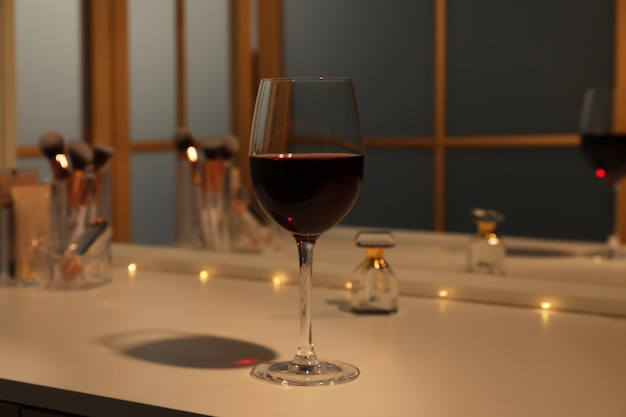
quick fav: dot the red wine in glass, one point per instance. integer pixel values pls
(306, 194)
(607, 154)
(603, 141)
(306, 167)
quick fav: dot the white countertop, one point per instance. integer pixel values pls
(166, 338)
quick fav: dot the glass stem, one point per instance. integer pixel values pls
(305, 360)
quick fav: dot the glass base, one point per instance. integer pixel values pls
(289, 374)
(613, 251)
(608, 254)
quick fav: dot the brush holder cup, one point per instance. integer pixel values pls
(77, 252)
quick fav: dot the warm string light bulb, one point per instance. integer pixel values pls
(278, 279)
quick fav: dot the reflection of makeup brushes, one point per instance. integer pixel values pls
(101, 155)
(186, 230)
(51, 145)
(230, 146)
(212, 149)
(192, 157)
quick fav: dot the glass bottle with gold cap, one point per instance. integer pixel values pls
(486, 252)
(374, 285)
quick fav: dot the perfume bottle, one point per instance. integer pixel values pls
(374, 285)
(486, 252)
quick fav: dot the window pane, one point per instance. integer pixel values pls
(520, 67)
(153, 203)
(152, 69)
(547, 193)
(48, 71)
(384, 46)
(208, 67)
(397, 190)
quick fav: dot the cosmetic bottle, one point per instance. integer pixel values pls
(374, 285)
(11, 178)
(486, 251)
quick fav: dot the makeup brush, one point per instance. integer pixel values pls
(101, 156)
(225, 190)
(94, 236)
(183, 138)
(80, 155)
(192, 157)
(51, 145)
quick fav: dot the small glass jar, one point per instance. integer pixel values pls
(374, 285)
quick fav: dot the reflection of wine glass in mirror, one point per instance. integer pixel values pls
(603, 129)
(306, 166)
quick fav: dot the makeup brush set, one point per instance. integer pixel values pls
(212, 205)
(79, 234)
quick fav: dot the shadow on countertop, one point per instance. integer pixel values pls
(174, 348)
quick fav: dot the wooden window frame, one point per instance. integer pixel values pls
(7, 85)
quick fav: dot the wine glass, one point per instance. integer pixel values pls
(603, 128)
(306, 166)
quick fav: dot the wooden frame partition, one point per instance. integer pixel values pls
(620, 81)
(107, 92)
(7, 84)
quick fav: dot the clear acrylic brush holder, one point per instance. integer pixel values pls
(77, 253)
